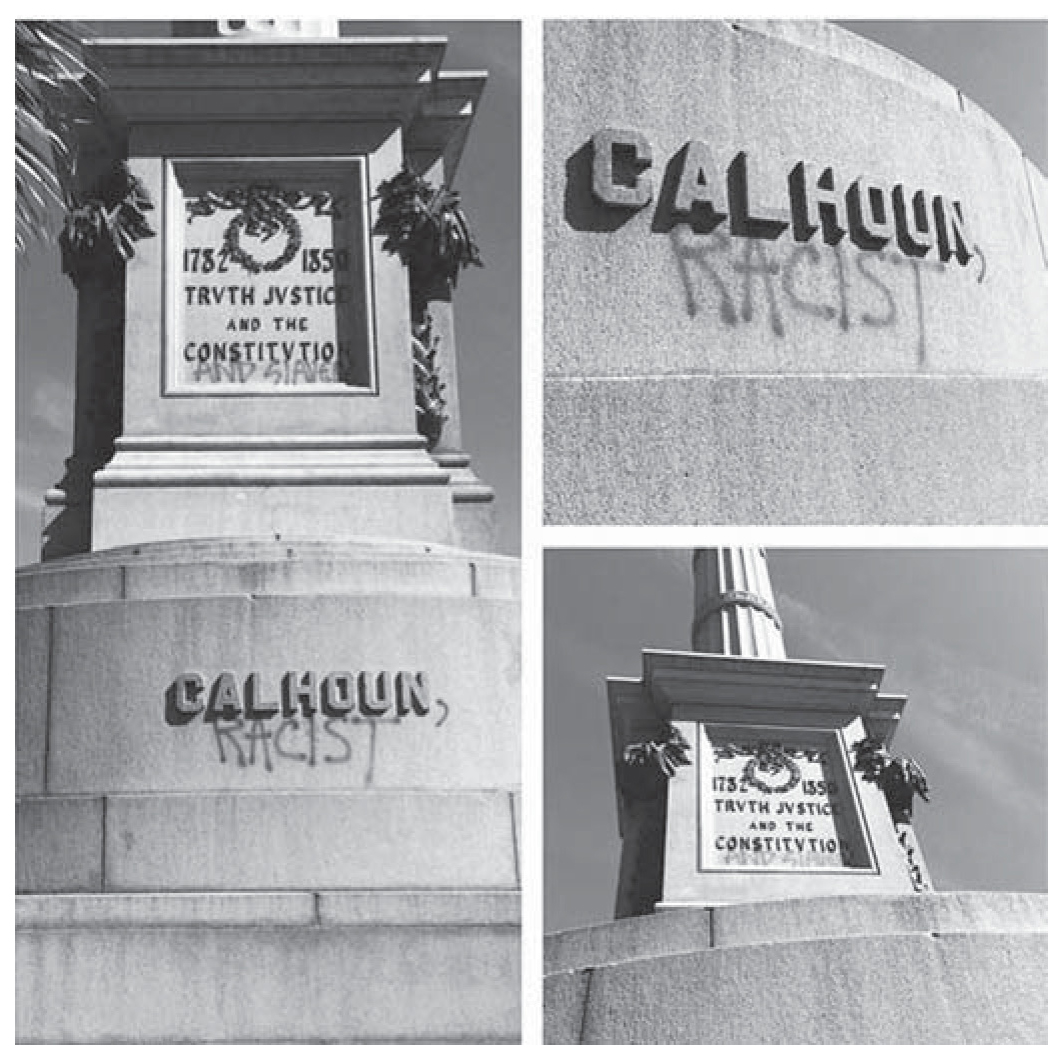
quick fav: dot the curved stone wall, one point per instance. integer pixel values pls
(315, 967)
(789, 277)
(933, 968)
(344, 856)
(158, 748)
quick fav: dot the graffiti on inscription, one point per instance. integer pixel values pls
(842, 286)
(310, 740)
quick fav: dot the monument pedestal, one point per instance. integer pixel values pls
(771, 889)
(341, 835)
(959, 968)
(165, 489)
(252, 362)
(771, 805)
(472, 498)
(268, 729)
(431, 966)
(714, 355)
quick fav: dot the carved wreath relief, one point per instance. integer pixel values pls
(272, 294)
(772, 805)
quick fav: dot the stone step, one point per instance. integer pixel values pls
(329, 967)
(971, 972)
(226, 567)
(263, 909)
(268, 841)
(680, 931)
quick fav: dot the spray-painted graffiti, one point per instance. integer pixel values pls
(744, 281)
(783, 246)
(310, 741)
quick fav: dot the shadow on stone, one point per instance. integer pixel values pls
(582, 211)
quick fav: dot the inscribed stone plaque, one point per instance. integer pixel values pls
(269, 275)
(777, 800)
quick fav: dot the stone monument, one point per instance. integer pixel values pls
(773, 807)
(272, 329)
(771, 888)
(268, 674)
(789, 277)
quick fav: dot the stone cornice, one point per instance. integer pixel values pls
(373, 79)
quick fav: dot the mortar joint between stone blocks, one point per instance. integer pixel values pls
(1026, 163)
(586, 974)
(50, 679)
(514, 835)
(104, 875)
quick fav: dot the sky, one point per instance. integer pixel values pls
(487, 300)
(1001, 64)
(961, 632)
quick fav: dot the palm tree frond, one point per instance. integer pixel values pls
(54, 82)
(51, 51)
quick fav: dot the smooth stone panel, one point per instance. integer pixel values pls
(115, 663)
(420, 907)
(474, 525)
(475, 652)
(124, 515)
(58, 844)
(166, 908)
(319, 840)
(329, 984)
(760, 450)
(32, 656)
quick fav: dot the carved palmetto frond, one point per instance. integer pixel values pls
(900, 777)
(667, 752)
(425, 226)
(53, 83)
(100, 230)
(428, 386)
